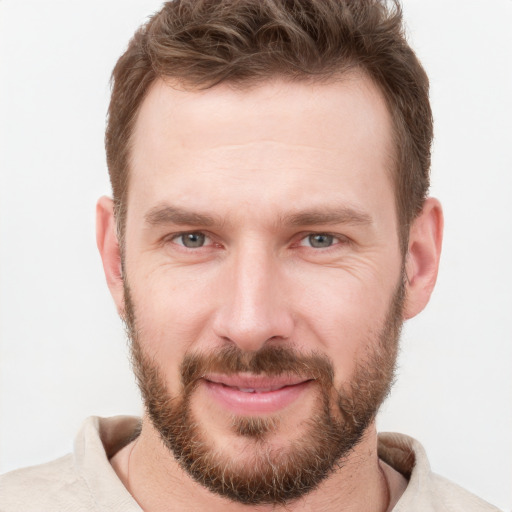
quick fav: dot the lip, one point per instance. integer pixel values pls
(254, 394)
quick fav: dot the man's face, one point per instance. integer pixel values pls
(263, 277)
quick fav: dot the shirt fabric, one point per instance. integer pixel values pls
(85, 480)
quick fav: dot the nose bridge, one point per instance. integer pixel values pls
(253, 309)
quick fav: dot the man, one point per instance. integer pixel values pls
(270, 231)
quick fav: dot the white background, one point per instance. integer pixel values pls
(63, 350)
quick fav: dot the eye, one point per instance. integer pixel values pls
(319, 240)
(192, 240)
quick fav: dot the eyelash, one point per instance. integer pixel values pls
(177, 236)
(337, 240)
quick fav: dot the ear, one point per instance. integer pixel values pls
(108, 245)
(422, 261)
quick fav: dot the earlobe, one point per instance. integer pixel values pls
(422, 261)
(108, 245)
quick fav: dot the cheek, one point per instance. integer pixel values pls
(172, 313)
(343, 315)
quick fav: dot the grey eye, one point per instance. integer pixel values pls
(320, 240)
(192, 240)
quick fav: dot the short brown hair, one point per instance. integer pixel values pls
(202, 43)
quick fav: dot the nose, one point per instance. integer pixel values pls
(254, 306)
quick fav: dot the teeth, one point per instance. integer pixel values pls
(252, 390)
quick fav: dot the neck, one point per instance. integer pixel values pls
(156, 481)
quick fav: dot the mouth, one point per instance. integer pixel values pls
(254, 394)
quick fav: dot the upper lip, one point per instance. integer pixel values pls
(256, 382)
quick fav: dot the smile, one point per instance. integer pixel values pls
(248, 395)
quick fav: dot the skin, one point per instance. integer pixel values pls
(269, 165)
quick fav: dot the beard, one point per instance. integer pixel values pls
(270, 475)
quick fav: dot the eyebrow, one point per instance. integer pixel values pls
(342, 215)
(163, 215)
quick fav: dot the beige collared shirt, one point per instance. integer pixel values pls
(85, 481)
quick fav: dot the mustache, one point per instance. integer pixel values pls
(269, 360)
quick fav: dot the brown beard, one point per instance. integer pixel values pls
(270, 476)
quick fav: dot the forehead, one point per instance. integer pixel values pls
(301, 137)
(321, 109)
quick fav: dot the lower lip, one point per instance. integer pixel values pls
(243, 403)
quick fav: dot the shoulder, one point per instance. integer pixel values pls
(426, 491)
(51, 486)
(79, 482)
(446, 495)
